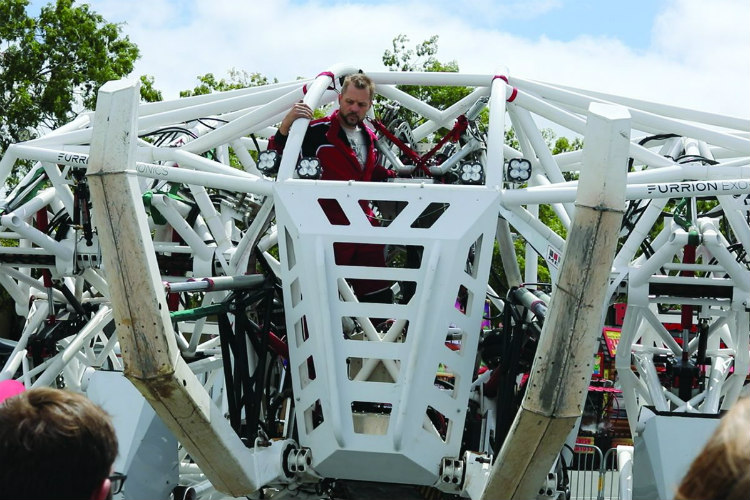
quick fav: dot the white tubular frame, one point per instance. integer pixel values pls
(226, 217)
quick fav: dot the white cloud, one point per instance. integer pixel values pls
(698, 58)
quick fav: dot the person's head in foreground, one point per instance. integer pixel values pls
(54, 444)
(721, 471)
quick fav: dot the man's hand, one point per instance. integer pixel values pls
(299, 110)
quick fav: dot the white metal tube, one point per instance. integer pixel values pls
(59, 249)
(81, 136)
(169, 247)
(531, 272)
(238, 182)
(12, 365)
(93, 326)
(448, 115)
(543, 108)
(185, 158)
(252, 235)
(211, 217)
(719, 370)
(166, 208)
(297, 131)
(217, 107)
(717, 245)
(372, 335)
(677, 240)
(17, 293)
(412, 103)
(8, 160)
(49, 155)
(518, 214)
(647, 369)
(557, 194)
(525, 130)
(663, 334)
(641, 117)
(242, 125)
(508, 253)
(496, 134)
(247, 161)
(625, 466)
(150, 108)
(639, 232)
(676, 112)
(430, 78)
(689, 406)
(540, 147)
(31, 207)
(63, 192)
(97, 281)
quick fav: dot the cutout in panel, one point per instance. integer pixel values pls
(436, 423)
(388, 330)
(333, 212)
(406, 257)
(306, 372)
(367, 370)
(463, 299)
(296, 292)
(358, 254)
(291, 258)
(313, 416)
(446, 379)
(407, 290)
(472, 259)
(370, 417)
(388, 210)
(383, 295)
(430, 215)
(301, 332)
(454, 339)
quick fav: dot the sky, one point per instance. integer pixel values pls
(688, 53)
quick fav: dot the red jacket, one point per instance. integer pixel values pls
(326, 140)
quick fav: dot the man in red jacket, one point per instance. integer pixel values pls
(345, 147)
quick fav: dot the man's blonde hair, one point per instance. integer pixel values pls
(360, 81)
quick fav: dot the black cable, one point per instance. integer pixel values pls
(645, 140)
(689, 158)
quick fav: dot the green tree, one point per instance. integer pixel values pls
(238, 79)
(149, 93)
(423, 58)
(52, 66)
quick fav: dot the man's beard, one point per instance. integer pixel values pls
(352, 119)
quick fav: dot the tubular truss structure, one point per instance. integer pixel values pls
(255, 324)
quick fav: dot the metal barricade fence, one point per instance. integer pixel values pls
(593, 474)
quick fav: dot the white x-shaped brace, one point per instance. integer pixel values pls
(374, 336)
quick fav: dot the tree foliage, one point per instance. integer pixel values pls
(52, 66)
(238, 79)
(423, 58)
(149, 92)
